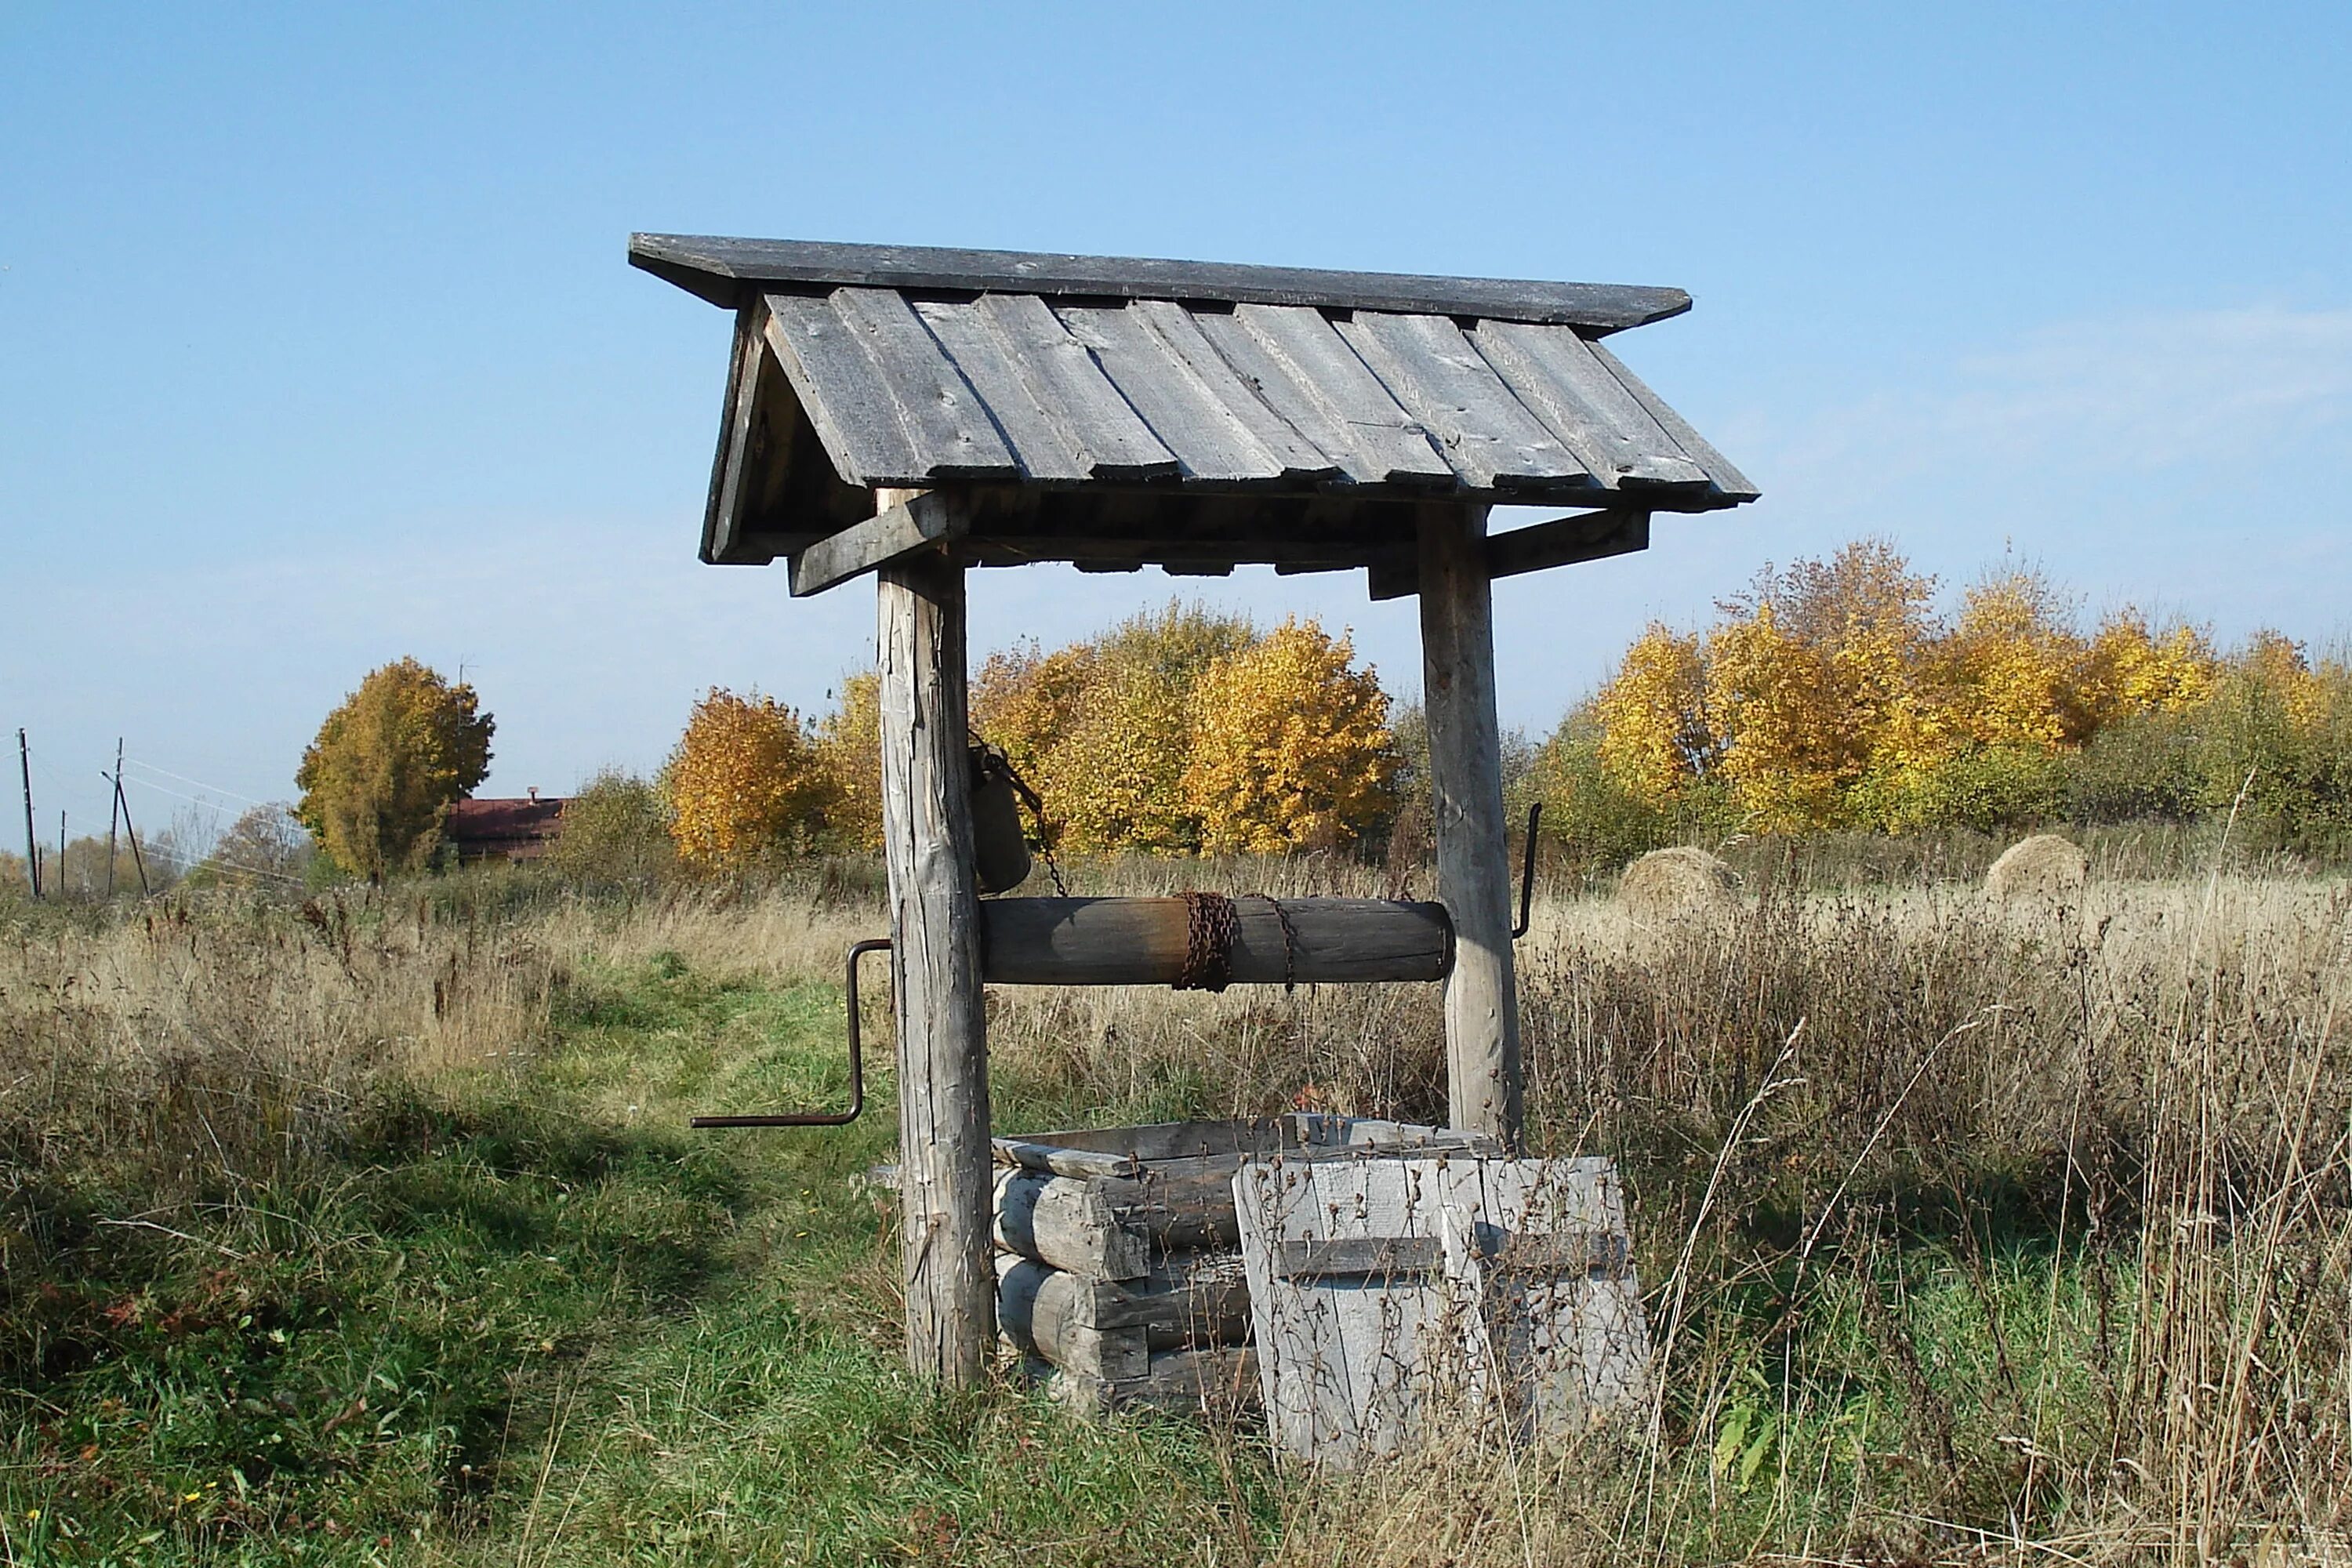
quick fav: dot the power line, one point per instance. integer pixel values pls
(199, 784)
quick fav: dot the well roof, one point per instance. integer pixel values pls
(1120, 412)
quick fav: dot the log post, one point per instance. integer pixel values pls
(1465, 774)
(944, 1155)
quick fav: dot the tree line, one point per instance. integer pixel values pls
(1832, 694)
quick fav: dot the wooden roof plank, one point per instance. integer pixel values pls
(1063, 377)
(1302, 459)
(1734, 484)
(1040, 441)
(937, 407)
(845, 399)
(723, 515)
(1189, 420)
(1554, 373)
(1307, 372)
(1493, 442)
(723, 269)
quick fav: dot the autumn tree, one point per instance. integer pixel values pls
(1655, 731)
(1291, 748)
(386, 766)
(849, 751)
(2130, 668)
(1109, 730)
(745, 783)
(266, 844)
(1809, 672)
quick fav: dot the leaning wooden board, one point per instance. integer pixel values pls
(1392, 1298)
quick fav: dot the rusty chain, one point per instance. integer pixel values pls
(1210, 927)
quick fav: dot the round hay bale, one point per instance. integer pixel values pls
(2043, 869)
(1665, 883)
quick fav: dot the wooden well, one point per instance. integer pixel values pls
(910, 413)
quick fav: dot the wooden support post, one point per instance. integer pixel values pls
(1466, 772)
(944, 1156)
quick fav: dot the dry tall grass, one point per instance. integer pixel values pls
(1963, 1237)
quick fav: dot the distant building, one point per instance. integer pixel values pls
(502, 829)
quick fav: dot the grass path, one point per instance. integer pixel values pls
(532, 1320)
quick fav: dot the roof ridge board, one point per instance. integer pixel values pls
(719, 269)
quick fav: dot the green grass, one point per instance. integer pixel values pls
(531, 1316)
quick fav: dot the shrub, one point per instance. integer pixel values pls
(615, 832)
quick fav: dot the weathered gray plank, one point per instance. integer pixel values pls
(1482, 430)
(1343, 1360)
(937, 407)
(1465, 777)
(1061, 1161)
(722, 516)
(838, 385)
(1310, 373)
(1561, 1300)
(988, 547)
(1553, 372)
(1064, 378)
(1209, 441)
(942, 1029)
(1144, 940)
(1357, 1255)
(1519, 1306)
(1040, 438)
(915, 523)
(1303, 462)
(719, 268)
(1728, 479)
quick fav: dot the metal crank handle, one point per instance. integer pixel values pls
(857, 1065)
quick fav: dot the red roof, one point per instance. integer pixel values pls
(508, 827)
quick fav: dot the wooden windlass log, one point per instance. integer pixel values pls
(1192, 944)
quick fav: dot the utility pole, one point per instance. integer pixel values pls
(131, 828)
(61, 854)
(32, 850)
(114, 816)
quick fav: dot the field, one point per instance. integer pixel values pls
(368, 1229)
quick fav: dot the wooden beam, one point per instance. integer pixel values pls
(1466, 772)
(1562, 541)
(1565, 541)
(1143, 942)
(722, 270)
(926, 518)
(944, 1155)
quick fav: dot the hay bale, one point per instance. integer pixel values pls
(1666, 883)
(2044, 869)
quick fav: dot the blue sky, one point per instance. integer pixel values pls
(318, 346)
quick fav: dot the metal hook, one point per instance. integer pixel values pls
(856, 1066)
(1527, 874)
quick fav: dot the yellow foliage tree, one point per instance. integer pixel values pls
(2128, 669)
(386, 764)
(849, 750)
(1024, 702)
(1112, 723)
(744, 782)
(2015, 666)
(1291, 748)
(1810, 672)
(1655, 731)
